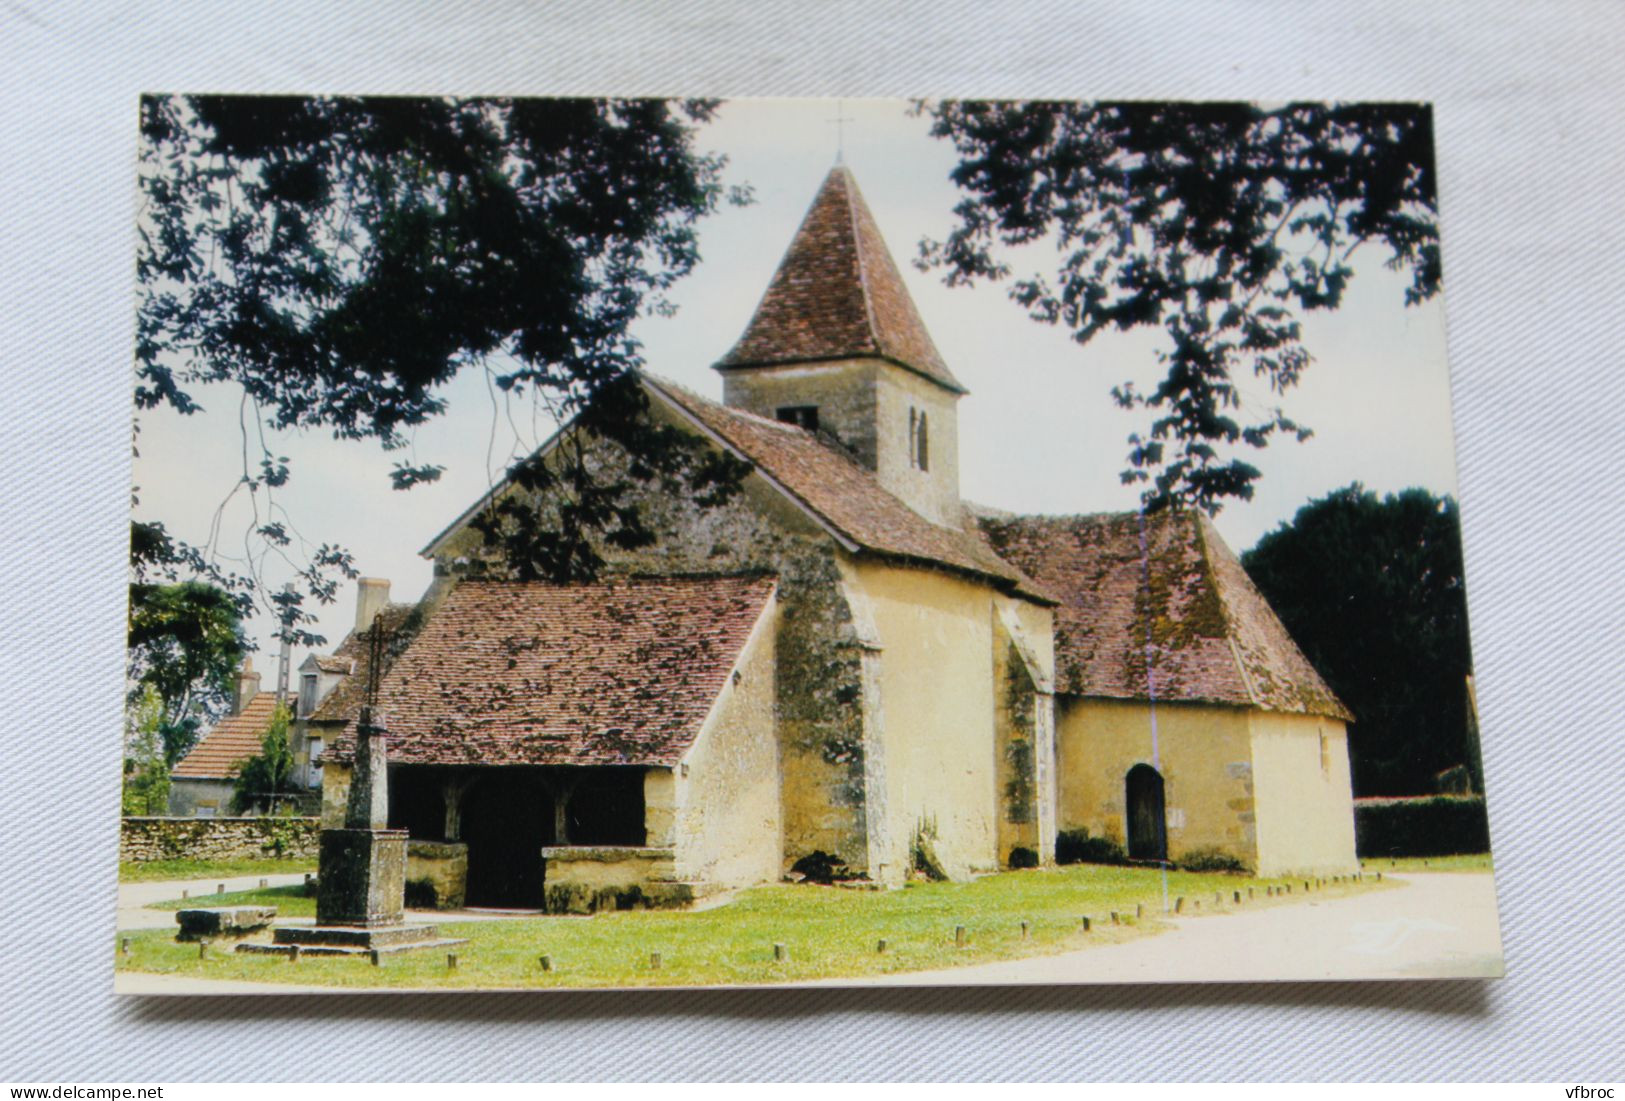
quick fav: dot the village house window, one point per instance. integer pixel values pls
(922, 446)
(1325, 754)
(313, 776)
(307, 695)
(804, 416)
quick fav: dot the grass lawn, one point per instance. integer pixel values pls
(145, 871)
(1465, 862)
(827, 932)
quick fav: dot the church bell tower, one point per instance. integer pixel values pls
(836, 346)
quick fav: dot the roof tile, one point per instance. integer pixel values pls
(229, 742)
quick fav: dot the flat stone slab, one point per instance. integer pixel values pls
(223, 921)
(260, 948)
(356, 938)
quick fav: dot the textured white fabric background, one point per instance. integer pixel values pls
(1531, 151)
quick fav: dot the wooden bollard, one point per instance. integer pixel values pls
(1024, 930)
(293, 953)
(779, 953)
(1139, 909)
(1379, 877)
(654, 961)
(307, 879)
(264, 883)
(959, 936)
(1114, 918)
(376, 957)
(546, 962)
(1289, 888)
(219, 888)
(880, 946)
(1217, 898)
(1238, 898)
(451, 961)
(1249, 892)
(202, 949)
(1085, 920)
(1306, 886)
(185, 893)
(124, 946)
(1179, 904)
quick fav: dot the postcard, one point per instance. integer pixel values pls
(625, 543)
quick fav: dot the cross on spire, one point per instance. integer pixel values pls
(839, 122)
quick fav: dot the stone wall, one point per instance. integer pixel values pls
(144, 839)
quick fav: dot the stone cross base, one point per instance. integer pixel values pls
(362, 877)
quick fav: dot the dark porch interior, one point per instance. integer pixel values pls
(505, 815)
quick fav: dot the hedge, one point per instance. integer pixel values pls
(1434, 825)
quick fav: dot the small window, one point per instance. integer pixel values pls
(1325, 754)
(913, 437)
(803, 416)
(922, 441)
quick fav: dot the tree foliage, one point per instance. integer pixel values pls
(185, 640)
(337, 261)
(1371, 590)
(271, 772)
(146, 767)
(1217, 223)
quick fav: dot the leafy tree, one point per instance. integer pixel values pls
(1371, 589)
(185, 641)
(270, 773)
(146, 769)
(1216, 222)
(337, 261)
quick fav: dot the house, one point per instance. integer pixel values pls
(202, 782)
(843, 664)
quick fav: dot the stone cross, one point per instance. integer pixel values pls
(368, 806)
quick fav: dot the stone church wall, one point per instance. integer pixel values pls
(1206, 763)
(724, 821)
(1305, 803)
(937, 679)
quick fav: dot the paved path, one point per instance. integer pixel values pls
(1435, 926)
(133, 898)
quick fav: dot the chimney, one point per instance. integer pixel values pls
(372, 593)
(247, 686)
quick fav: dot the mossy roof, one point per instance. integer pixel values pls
(1159, 608)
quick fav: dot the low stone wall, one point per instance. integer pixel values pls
(583, 879)
(144, 839)
(441, 866)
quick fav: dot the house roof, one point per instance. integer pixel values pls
(331, 663)
(837, 295)
(229, 742)
(844, 495)
(613, 672)
(1160, 609)
(343, 703)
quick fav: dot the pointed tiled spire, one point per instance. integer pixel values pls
(837, 294)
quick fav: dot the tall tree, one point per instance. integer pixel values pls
(184, 642)
(335, 261)
(1371, 590)
(1216, 222)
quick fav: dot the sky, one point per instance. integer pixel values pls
(1039, 432)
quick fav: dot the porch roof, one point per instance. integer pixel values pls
(619, 671)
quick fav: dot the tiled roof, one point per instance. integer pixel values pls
(1177, 605)
(231, 741)
(614, 672)
(343, 703)
(845, 494)
(837, 294)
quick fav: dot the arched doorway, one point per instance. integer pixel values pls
(1147, 815)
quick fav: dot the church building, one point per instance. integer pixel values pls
(843, 665)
